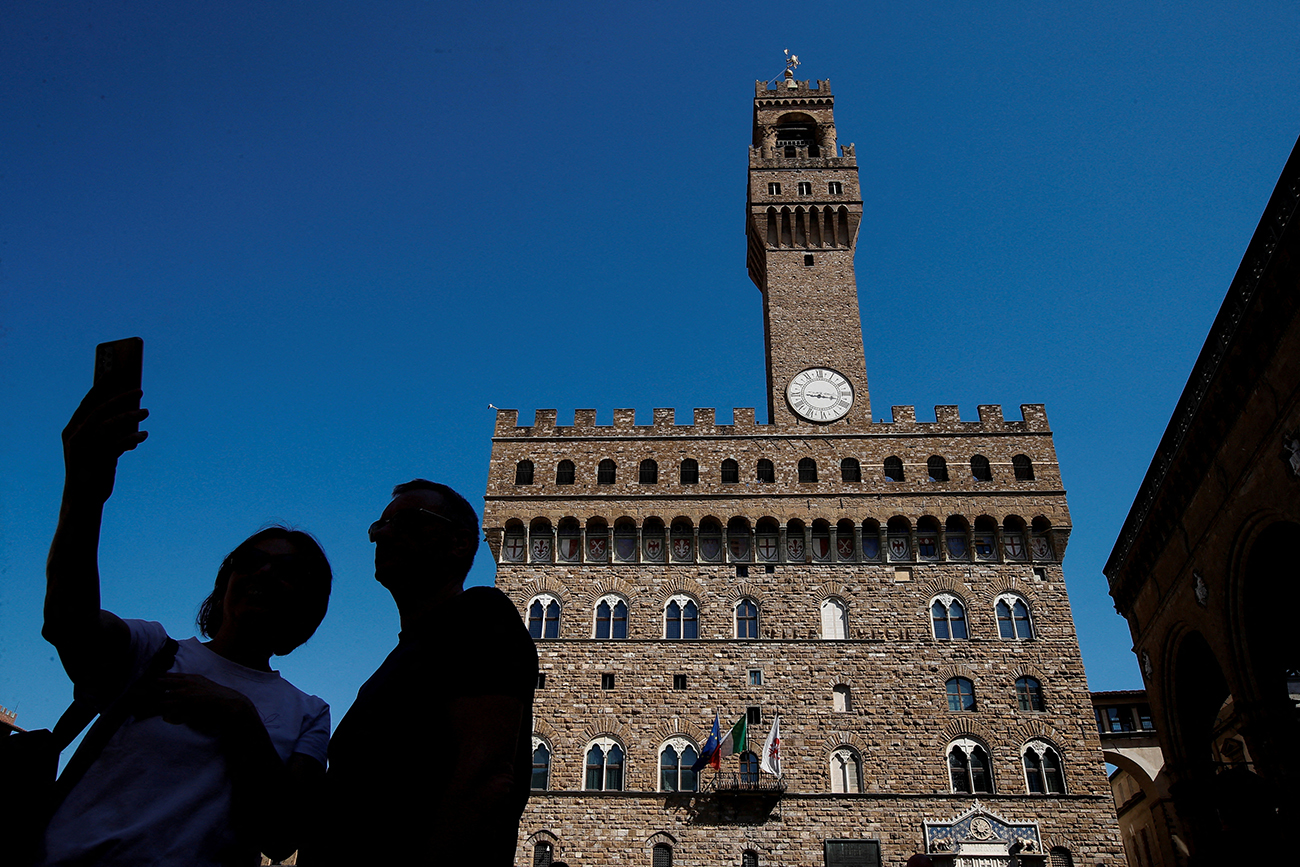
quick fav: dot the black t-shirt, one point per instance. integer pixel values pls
(392, 751)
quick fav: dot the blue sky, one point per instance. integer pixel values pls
(344, 229)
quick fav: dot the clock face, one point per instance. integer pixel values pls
(820, 395)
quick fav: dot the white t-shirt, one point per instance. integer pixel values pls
(160, 793)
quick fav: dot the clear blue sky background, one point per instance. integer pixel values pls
(344, 229)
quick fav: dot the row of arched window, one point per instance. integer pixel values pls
(764, 472)
(661, 855)
(960, 692)
(768, 541)
(681, 618)
(970, 770)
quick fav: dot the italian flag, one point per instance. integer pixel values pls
(737, 740)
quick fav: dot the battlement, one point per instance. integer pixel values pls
(768, 157)
(764, 90)
(664, 423)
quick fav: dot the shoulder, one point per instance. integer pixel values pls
(147, 637)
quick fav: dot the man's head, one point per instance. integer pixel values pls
(425, 539)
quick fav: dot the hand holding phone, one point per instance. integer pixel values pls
(107, 423)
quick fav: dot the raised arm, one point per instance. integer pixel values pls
(92, 644)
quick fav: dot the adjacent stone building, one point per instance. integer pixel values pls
(1204, 568)
(893, 591)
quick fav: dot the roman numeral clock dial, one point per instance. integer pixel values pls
(820, 395)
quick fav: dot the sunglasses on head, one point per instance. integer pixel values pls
(406, 522)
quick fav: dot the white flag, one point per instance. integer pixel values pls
(772, 749)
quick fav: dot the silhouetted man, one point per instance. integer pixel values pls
(432, 762)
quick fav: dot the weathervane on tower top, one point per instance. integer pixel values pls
(791, 62)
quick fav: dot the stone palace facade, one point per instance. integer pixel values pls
(892, 590)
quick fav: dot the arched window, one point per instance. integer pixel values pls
(611, 617)
(661, 855)
(1024, 468)
(746, 619)
(675, 760)
(955, 538)
(543, 854)
(980, 469)
(541, 541)
(544, 617)
(1013, 538)
(1013, 618)
(682, 539)
(524, 473)
(749, 858)
(597, 540)
(564, 473)
(730, 472)
(765, 471)
(1043, 774)
(690, 472)
(748, 769)
(796, 549)
(710, 540)
(893, 469)
(969, 770)
(927, 538)
(807, 470)
(1040, 542)
(821, 541)
(900, 539)
(846, 772)
(845, 544)
(937, 468)
(835, 619)
(871, 548)
(842, 698)
(949, 618)
(985, 537)
(961, 694)
(654, 548)
(568, 542)
(625, 540)
(604, 766)
(681, 618)
(606, 472)
(648, 472)
(1029, 693)
(738, 540)
(541, 765)
(767, 541)
(850, 470)
(514, 543)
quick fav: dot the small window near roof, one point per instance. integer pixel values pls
(524, 473)
(564, 473)
(756, 677)
(1024, 468)
(765, 472)
(773, 189)
(730, 472)
(807, 470)
(753, 715)
(850, 470)
(805, 188)
(679, 681)
(980, 469)
(842, 699)
(835, 188)
(649, 472)
(607, 681)
(690, 472)
(893, 469)
(605, 472)
(541, 680)
(808, 259)
(937, 468)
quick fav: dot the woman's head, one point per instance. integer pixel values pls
(305, 578)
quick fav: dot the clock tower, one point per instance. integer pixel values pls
(804, 209)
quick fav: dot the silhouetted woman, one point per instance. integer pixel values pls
(217, 759)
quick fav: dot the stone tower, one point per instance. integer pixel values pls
(892, 591)
(804, 211)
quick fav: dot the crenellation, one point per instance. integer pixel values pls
(544, 421)
(703, 420)
(625, 420)
(904, 416)
(664, 418)
(584, 421)
(990, 415)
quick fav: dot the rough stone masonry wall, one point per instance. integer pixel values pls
(601, 829)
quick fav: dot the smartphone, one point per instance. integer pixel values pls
(118, 367)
